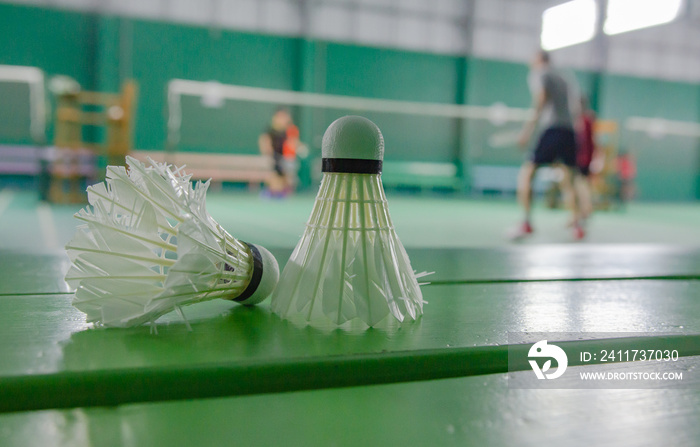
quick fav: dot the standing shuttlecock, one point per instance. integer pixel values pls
(349, 263)
(148, 246)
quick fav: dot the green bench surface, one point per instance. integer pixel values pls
(51, 358)
(242, 376)
(33, 273)
(469, 411)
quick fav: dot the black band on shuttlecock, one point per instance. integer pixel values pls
(352, 165)
(257, 274)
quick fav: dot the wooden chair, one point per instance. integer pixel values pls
(73, 160)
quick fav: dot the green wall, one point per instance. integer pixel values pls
(667, 165)
(399, 75)
(101, 52)
(58, 42)
(165, 51)
(490, 82)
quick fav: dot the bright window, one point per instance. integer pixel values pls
(628, 15)
(568, 24)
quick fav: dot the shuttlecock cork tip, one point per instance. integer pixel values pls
(265, 276)
(350, 139)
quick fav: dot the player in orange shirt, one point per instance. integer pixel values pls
(280, 141)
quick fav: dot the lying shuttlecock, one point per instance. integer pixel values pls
(148, 246)
(349, 263)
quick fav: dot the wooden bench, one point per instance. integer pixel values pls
(251, 169)
(20, 160)
(61, 172)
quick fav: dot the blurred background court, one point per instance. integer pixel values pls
(83, 83)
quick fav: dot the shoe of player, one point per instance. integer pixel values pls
(521, 231)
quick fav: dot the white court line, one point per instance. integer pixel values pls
(47, 226)
(6, 197)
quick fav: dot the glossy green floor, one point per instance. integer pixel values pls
(421, 221)
(244, 377)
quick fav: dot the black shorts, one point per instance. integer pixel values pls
(584, 170)
(556, 144)
(279, 169)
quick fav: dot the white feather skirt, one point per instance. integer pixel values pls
(148, 246)
(349, 264)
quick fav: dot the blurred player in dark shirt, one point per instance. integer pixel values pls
(553, 124)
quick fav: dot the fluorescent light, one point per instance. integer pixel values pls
(568, 24)
(628, 15)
